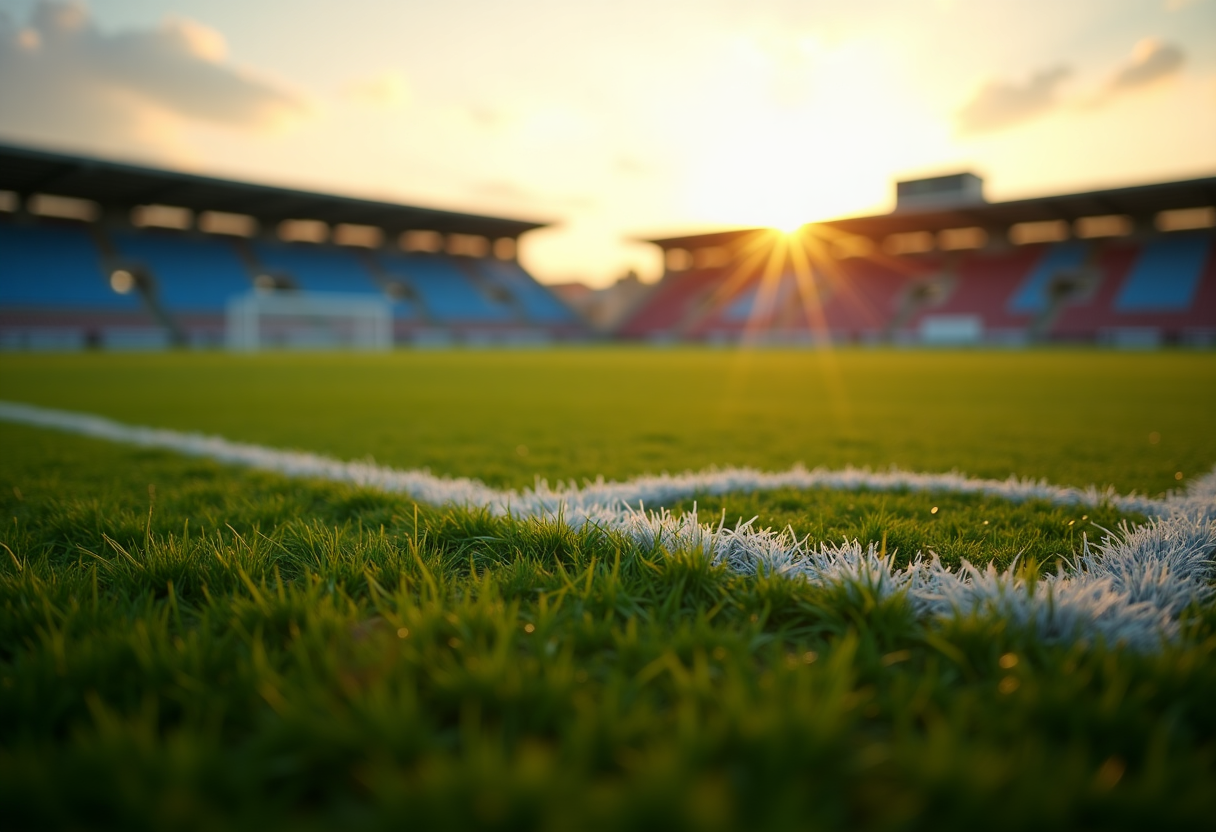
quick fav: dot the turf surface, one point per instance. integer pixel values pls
(1075, 418)
(185, 645)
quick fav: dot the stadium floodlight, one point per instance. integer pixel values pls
(122, 281)
(317, 320)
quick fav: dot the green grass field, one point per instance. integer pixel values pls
(188, 645)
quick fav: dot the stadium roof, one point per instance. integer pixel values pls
(1138, 201)
(29, 171)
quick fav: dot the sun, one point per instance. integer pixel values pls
(777, 188)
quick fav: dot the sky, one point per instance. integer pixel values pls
(621, 120)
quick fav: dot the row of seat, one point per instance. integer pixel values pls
(50, 266)
(1071, 290)
(1074, 290)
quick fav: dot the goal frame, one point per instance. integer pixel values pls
(325, 320)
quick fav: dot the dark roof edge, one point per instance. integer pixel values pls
(1127, 190)
(89, 163)
(707, 239)
(970, 211)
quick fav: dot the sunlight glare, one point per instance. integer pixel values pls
(784, 159)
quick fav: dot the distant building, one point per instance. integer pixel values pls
(605, 308)
(956, 189)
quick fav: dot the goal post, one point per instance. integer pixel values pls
(317, 320)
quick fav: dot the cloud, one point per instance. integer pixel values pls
(1151, 61)
(1000, 104)
(387, 90)
(62, 78)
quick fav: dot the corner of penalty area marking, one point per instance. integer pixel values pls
(1107, 596)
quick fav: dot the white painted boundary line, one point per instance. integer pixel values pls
(1131, 587)
(544, 499)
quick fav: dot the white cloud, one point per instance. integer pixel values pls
(1151, 61)
(63, 78)
(1001, 104)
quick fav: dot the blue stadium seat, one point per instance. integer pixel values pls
(743, 307)
(1165, 277)
(192, 274)
(55, 267)
(538, 303)
(318, 268)
(740, 308)
(446, 292)
(1031, 295)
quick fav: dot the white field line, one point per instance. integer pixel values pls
(1130, 587)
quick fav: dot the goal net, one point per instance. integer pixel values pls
(308, 320)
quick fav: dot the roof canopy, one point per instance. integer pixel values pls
(112, 184)
(1142, 201)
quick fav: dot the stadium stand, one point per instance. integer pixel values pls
(445, 290)
(1132, 266)
(190, 277)
(664, 310)
(851, 300)
(538, 303)
(316, 268)
(1158, 292)
(761, 301)
(1165, 276)
(178, 283)
(191, 274)
(987, 285)
(771, 306)
(1031, 295)
(56, 266)
(744, 306)
(868, 295)
(54, 292)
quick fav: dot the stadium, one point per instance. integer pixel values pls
(124, 257)
(325, 511)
